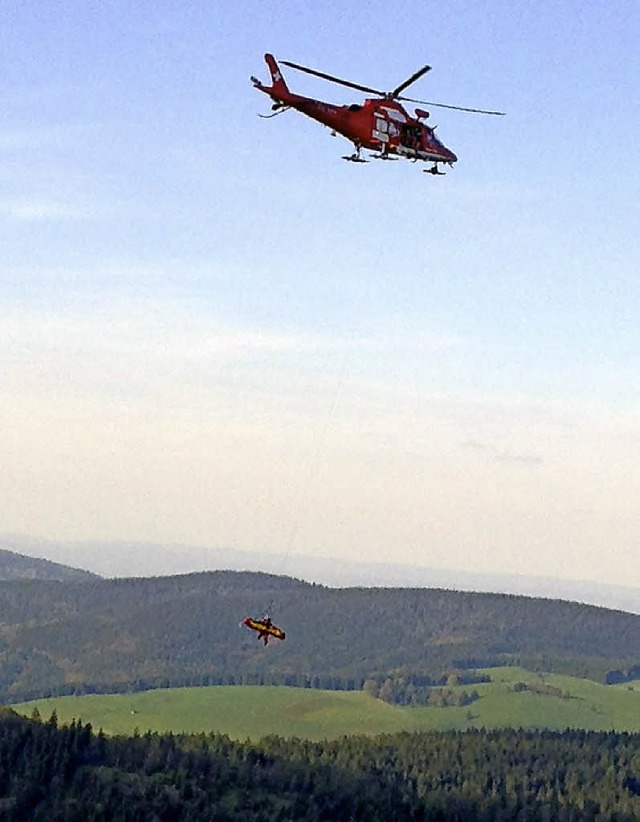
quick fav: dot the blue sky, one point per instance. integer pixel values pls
(215, 331)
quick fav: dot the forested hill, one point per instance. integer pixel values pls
(72, 773)
(18, 566)
(64, 637)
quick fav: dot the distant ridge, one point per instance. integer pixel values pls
(18, 566)
(135, 559)
(136, 634)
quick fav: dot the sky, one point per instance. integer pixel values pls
(213, 331)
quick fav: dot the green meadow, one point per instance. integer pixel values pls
(244, 712)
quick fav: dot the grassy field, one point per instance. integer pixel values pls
(250, 712)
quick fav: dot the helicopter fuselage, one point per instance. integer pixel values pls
(378, 124)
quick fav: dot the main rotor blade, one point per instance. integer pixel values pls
(394, 94)
(456, 108)
(331, 78)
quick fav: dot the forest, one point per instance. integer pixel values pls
(50, 772)
(70, 637)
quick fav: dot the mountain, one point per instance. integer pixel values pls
(131, 559)
(133, 634)
(18, 566)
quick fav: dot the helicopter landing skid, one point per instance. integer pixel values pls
(434, 170)
(383, 156)
(354, 158)
(276, 108)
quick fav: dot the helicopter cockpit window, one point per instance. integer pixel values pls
(382, 125)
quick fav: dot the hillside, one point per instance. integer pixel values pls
(109, 635)
(513, 698)
(48, 771)
(143, 559)
(18, 566)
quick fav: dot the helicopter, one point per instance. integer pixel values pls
(379, 124)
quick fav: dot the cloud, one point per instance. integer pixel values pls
(173, 332)
(46, 172)
(152, 325)
(39, 210)
(495, 453)
(148, 353)
(28, 138)
(520, 459)
(145, 420)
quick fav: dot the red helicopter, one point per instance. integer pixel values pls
(380, 124)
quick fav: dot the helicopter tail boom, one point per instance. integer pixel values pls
(277, 80)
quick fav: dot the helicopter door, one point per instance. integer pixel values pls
(381, 130)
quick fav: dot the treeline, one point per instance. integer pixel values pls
(627, 675)
(400, 693)
(418, 690)
(54, 773)
(128, 634)
(273, 678)
(542, 689)
(397, 688)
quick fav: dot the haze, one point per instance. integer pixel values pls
(215, 332)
